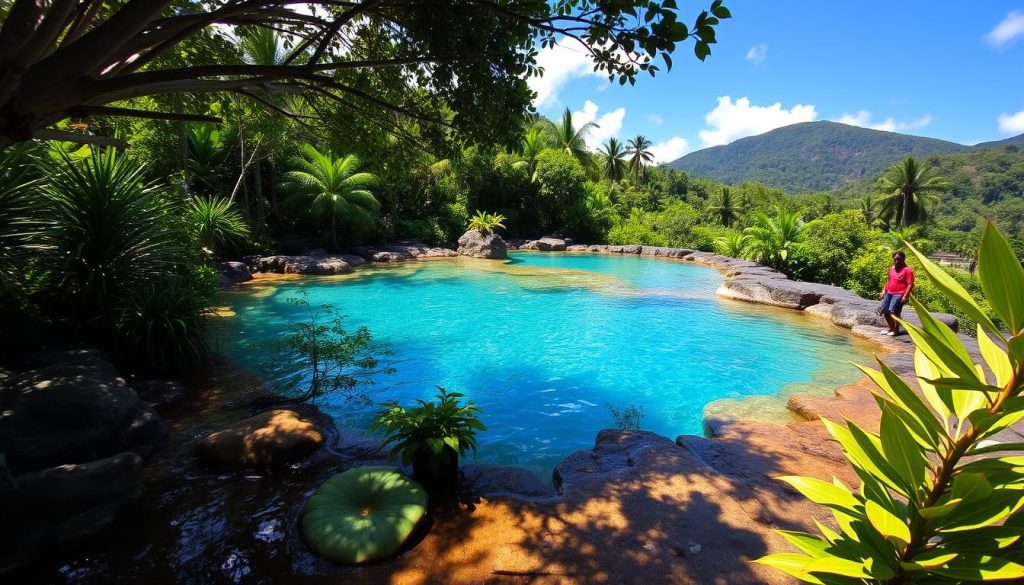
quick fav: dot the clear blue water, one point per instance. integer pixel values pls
(545, 342)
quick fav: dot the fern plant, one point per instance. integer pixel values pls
(940, 500)
(486, 223)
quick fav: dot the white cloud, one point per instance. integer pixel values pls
(655, 119)
(670, 149)
(1007, 30)
(758, 54)
(561, 63)
(731, 120)
(1011, 123)
(608, 125)
(862, 118)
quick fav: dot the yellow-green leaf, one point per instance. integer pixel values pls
(952, 290)
(824, 493)
(973, 567)
(838, 566)
(929, 560)
(791, 564)
(939, 511)
(1002, 278)
(997, 359)
(887, 524)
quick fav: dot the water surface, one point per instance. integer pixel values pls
(545, 343)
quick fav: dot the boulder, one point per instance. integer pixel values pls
(73, 412)
(51, 506)
(334, 264)
(624, 249)
(480, 245)
(232, 273)
(545, 245)
(388, 256)
(160, 394)
(780, 292)
(268, 439)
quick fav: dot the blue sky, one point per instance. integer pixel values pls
(949, 70)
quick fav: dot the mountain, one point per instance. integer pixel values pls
(812, 156)
(1012, 141)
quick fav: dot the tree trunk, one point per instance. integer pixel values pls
(257, 178)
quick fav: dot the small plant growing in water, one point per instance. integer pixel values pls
(940, 498)
(486, 223)
(325, 353)
(628, 417)
(431, 436)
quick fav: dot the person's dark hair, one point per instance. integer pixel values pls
(899, 255)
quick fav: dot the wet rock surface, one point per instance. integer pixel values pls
(545, 245)
(231, 273)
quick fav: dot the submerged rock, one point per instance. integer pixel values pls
(268, 439)
(477, 244)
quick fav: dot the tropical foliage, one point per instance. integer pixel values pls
(331, 186)
(773, 239)
(216, 223)
(486, 222)
(906, 192)
(940, 497)
(319, 356)
(430, 428)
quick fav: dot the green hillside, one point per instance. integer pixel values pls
(985, 183)
(813, 156)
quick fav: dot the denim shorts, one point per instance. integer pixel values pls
(892, 303)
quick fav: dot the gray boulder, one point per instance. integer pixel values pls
(322, 265)
(479, 245)
(73, 412)
(545, 245)
(232, 273)
(493, 480)
(48, 507)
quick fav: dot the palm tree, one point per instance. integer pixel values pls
(261, 46)
(725, 207)
(333, 187)
(772, 240)
(869, 210)
(533, 143)
(640, 155)
(907, 189)
(573, 140)
(613, 166)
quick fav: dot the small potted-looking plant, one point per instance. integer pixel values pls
(431, 436)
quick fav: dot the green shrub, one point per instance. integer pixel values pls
(216, 224)
(562, 182)
(486, 222)
(940, 497)
(829, 246)
(868, 272)
(109, 232)
(162, 327)
(639, 228)
(431, 435)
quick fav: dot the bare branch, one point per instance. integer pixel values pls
(77, 138)
(83, 111)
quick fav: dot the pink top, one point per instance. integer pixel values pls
(899, 282)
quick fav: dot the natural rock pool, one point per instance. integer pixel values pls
(544, 343)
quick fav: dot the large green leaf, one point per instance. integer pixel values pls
(997, 359)
(791, 564)
(927, 427)
(973, 567)
(824, 493)
(950, 362)
(808, 543)
(1002, 278)
(901, 451)
(865, 455)
(952, 290)
(929, 560)
(939, 399)
(887, 524)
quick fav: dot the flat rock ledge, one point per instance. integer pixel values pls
(319, 262)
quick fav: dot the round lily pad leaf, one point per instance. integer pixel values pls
(362, 514)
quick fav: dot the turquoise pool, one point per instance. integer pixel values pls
(544, 343)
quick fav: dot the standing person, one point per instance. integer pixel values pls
(897, 291)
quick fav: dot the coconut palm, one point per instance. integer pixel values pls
(261, 46)
(906, 190)
(773, 240)
(573, 140)
(869, 210)
(725, 207)
(331, 186)
(639, 155)
(533, 143)
(613, 165)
